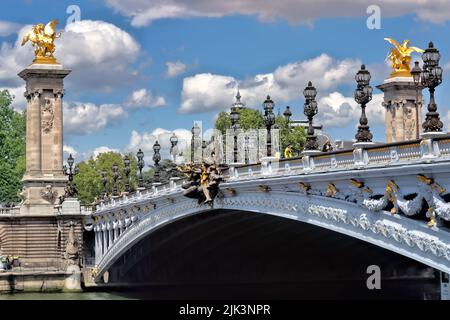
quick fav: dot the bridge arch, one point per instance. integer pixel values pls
(400, 234)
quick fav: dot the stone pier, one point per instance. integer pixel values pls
(44, 180)
(46, 237)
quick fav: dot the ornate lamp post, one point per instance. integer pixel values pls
(156, 159)
(115, 176)
(310, 110)
(203, 148)
(431, 77)
(195, 134)
(126, 162)
(141, 164)
(235, 117)
(173, 142)
(104, 182)
(287, 114)
(71, 190)
(363, 94)
(269, 121)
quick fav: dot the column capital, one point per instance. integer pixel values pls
(33, 94)
(59, 93)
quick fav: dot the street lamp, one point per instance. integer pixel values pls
(71, 190)
(203, 148)
(287, 114)
(126, 162)
(156, 159)
(415, 72)
(310, 110)
(173, 141)
(195, 133)
(363, 94)
(115, 176)
(269, 121)
(431, 77)
(235, 117)
(141, 164)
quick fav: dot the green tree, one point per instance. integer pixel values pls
(12, 149)
(223, 122)
(89, 178)
(290, 135)
(254, 119)
(251, 119)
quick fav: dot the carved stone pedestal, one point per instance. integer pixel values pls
(403, 114)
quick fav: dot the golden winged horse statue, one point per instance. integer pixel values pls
(400, 57)
(43, 38)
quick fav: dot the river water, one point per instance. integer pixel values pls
(68, 296)
(417, 289)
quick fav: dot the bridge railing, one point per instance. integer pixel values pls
(379, 155)
(387, 154)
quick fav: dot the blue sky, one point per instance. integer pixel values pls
(141, 65)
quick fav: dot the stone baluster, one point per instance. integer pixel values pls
(360, 154)
(429, 147)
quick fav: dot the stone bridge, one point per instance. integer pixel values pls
(391, 195)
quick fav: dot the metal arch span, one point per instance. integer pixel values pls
(410, 238)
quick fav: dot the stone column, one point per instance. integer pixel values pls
(104, 242)
(57, 154)
(33, 133)
(110, 237)
(97, 242)
(403, 103)
(116, 232)
(44, 181)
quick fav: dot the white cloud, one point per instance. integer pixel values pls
(336, 110)
(144, 98)
(103, 149)
(205, 92)
(175, 69)
(99, 53)
(19, 102)
(445, 119)
(144, 12)
(70, 150)
(86, 118)
(8, 27)
(146, 140)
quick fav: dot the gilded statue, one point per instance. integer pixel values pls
(43, 38)
(400, 57)
(203, 181)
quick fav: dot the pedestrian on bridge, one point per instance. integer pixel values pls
(288, 151)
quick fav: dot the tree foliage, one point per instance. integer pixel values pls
(296, 136)
(89, 178)
(254, 119)
(12, 149)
